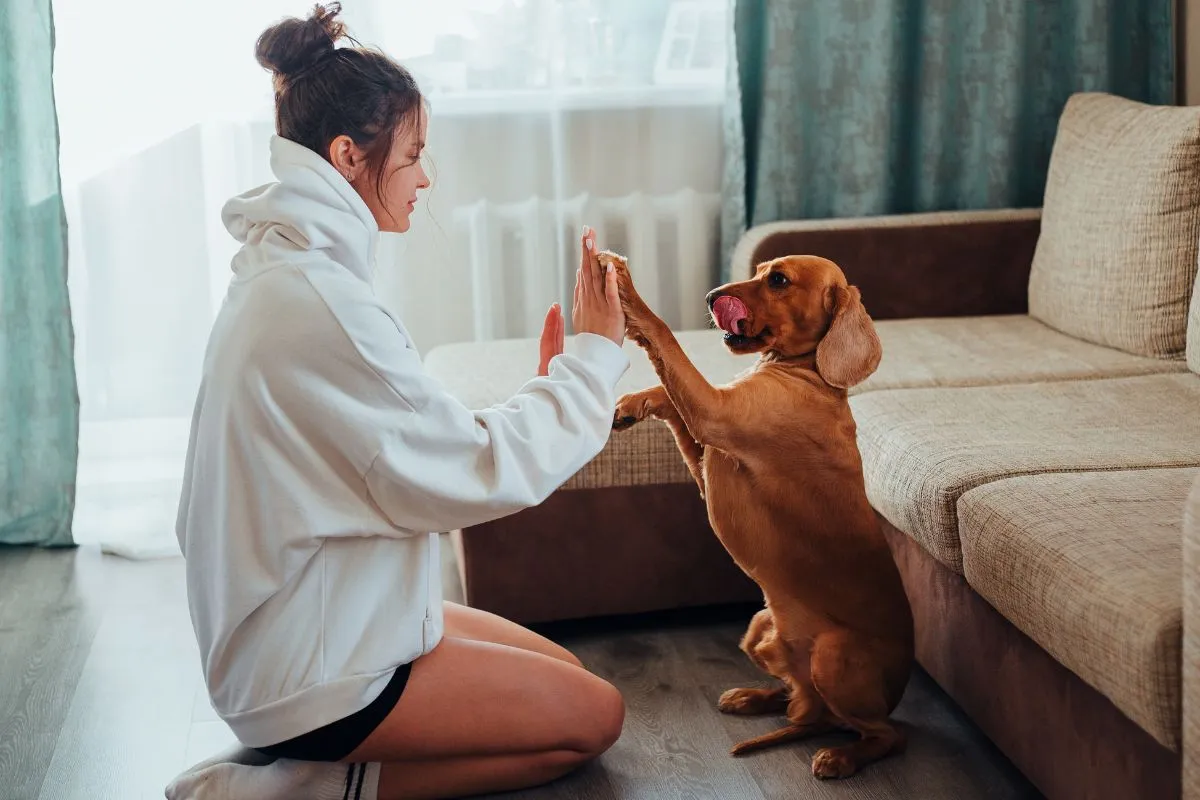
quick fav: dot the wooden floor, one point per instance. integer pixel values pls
(101, 699)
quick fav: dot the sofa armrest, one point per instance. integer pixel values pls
(942, 264)
(1191, 646)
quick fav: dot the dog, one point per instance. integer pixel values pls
(775, 456)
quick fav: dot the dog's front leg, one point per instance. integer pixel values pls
(654, 403)
(705, 410)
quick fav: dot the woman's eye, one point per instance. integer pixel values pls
(777, 280)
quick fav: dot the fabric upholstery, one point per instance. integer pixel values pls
(1063, 735)
(922, 449)
(1087, 565)
(1193, 330)
(981, 351)
(1116, 261)
(1191, 645)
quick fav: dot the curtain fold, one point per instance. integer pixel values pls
(866, 107)
(39, 400)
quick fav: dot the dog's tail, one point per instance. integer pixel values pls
(788, 734)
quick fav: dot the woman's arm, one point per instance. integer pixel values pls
(442, 466)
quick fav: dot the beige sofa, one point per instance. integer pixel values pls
(1029, 442)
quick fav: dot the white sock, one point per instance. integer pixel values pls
(237, 754)
(279, 780)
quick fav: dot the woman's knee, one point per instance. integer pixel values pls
(602, 718)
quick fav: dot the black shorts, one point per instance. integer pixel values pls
(335, 741)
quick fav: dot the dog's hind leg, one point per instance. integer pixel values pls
(852, 685)
(805, 709)
(759, 639)
(808, 717)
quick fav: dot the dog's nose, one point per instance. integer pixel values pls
(712, 297)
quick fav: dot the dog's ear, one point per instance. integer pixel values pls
(850, 350)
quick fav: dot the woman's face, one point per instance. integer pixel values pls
(392, 198)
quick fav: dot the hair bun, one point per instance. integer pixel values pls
(294, 45)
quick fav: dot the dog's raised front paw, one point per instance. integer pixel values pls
(621, 423)
(631, 409)
(830, 762)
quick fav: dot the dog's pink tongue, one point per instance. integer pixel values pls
(729, 312)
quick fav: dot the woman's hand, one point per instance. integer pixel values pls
(553, 332)
(597, 306)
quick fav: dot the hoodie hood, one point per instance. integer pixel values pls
(310, 208)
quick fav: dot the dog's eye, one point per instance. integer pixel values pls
(777, 280)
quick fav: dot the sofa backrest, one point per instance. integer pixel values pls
(1116, 260)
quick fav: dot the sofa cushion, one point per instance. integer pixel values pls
(982, 351)
(923, 448)
(1116, 258)
(1088, 566)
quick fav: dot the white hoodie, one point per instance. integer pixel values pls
(322, 456)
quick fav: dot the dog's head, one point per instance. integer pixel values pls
(796, 306)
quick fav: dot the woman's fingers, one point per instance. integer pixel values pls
(560, 339)
(551, 342)
(587, 264)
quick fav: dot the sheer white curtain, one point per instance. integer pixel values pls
(545, 113)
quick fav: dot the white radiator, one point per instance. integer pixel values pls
(523, 255)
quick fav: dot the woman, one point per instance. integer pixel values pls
(322, 455)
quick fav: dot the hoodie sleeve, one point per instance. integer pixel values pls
(429, 463)
(443, 466)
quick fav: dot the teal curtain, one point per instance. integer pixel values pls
(39, 399)
(858, 107)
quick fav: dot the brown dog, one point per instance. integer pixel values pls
(775, 456)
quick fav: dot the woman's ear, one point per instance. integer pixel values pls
(850, 350)
(346, 157)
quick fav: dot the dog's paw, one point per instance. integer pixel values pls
(738, 701)
(623, 422)
(630, 411)
(752, 701)
(830, 762)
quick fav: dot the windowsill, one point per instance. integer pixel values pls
(524, 101)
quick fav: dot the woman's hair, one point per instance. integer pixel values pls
(323, 91)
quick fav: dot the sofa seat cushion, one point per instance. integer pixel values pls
(1116, 259)
(1088, 565)
(982, 351)
(923, 448)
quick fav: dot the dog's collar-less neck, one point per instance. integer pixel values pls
(801, 360)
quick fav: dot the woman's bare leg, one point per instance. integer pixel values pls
(478, 716)
(464, 622)
(494, 707)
